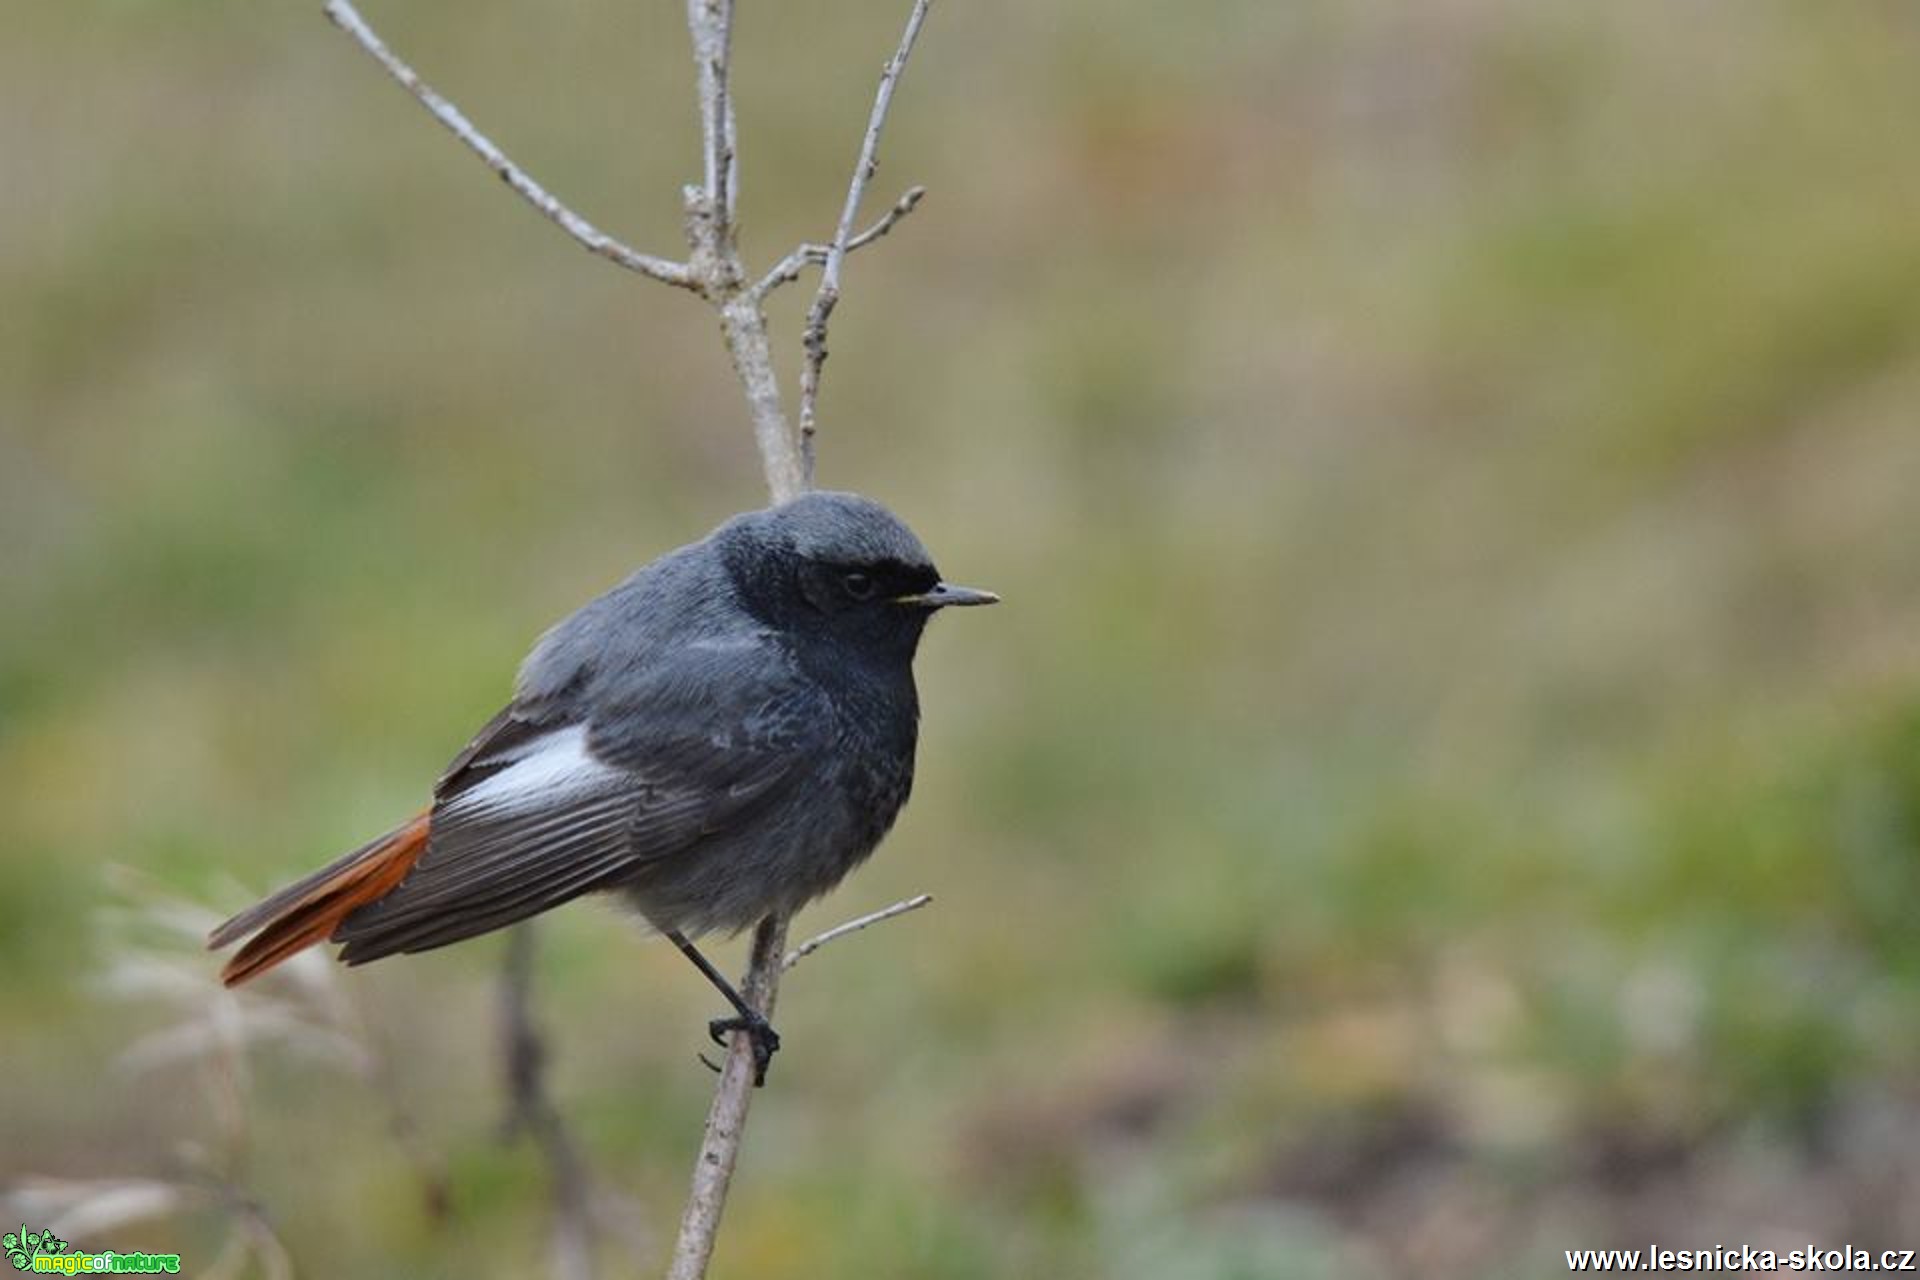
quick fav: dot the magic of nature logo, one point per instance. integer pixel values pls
(45, 1252)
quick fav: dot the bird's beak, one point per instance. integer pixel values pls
(944, 594)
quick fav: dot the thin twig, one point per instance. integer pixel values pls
(719, 273)
(531, 1111)
(711, 24)
(788, 269)
(679, 274)
(744, 325)
(727, 1118)
(814, 341)
(818, 941)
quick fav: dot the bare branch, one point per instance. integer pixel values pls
(531, 1111)
(727, 1118)
(716, 255)
(824, 300)
(711, 24)
(715, 272)
(818, 941)
(789, 468)
(789, 268)
(744, 326)
(679, 274)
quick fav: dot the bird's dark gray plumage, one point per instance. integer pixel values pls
(725, 734)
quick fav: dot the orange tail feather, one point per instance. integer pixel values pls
(309, 910)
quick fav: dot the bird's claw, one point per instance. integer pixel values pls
(765, 1040)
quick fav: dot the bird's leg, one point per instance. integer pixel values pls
(766, 1041)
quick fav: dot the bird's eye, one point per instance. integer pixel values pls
(858, 585)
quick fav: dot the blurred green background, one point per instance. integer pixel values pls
(1444, 787)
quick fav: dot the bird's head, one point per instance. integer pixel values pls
(839, 564)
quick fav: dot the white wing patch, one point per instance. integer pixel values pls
(544, 773)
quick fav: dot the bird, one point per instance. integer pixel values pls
(725, 734)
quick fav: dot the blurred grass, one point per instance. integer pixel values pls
(1445, 786)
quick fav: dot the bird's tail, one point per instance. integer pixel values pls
(308, 911)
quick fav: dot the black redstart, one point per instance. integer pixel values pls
(725, 734)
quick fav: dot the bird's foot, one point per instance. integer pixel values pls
(766, 1041)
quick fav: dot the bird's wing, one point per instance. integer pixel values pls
(542, 808)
